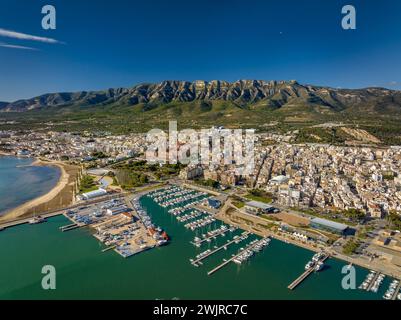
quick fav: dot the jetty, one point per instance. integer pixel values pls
(226, 262)
(305, 275)
(373, 281)
(236, 240)
(109, 248)
(212, 236)
(69, 227)
(396, 292)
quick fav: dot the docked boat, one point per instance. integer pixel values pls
(391, 290)
(36, 220)
(319, 266)
(309, 265)
(377, 283)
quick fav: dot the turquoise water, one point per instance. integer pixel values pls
(20, 182)
(83, 272)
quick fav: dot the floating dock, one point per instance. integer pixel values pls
(109, 248)
(69, 227)
(221, 232)
(373, 281)
(305, 275)
(226, 262)
(220, 248)
(394, 297)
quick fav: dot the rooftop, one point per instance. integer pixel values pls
(331, 224)
(258, 204)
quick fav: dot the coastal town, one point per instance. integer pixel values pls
(344, 201)
(296, 175)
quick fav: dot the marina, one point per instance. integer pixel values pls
(208, 253)
(212, 235)
(393, 291)
(180, 202)
(121, 225)
(118, 224)
(75, 251)
(241, 256)
(316, 264)
(377, 283)
(372, 281)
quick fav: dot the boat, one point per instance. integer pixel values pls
(391, 290)
(36, 220)
(319, 266)
(309, 265)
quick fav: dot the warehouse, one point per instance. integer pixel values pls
(93, 194)
(330, 226)
(256, 208)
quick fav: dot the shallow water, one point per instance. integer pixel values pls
(20, 182)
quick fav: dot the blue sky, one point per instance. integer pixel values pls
(121, 43)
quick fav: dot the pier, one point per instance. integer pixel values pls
(210, 237)
(69, 227)
(220, 248)
(226, 262)
(305, 275)
(109, 248)
(396, 292)
(373, 281)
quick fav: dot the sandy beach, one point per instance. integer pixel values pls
(60, 195)
(2, 153)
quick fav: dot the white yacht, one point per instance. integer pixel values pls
(309, 265)
(319, 266)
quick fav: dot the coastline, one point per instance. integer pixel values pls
(2, 153)
(44, 200)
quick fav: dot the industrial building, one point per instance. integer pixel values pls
(93, 194)
(256, 208)
(214, 203)
(117, 210)
(330, 226)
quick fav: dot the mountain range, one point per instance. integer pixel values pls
(242, 93)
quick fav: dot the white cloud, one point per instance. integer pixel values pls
(12, 46)
(24, 36)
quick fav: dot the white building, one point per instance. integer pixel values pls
(93, 194)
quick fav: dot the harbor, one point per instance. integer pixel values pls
(314, 265)
(120, 224)
(212, 235)
(243, 255)
(265, 276)
(244, 258)
(205, 254)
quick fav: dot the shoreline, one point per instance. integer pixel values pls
(2, 153)
(23, 209)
